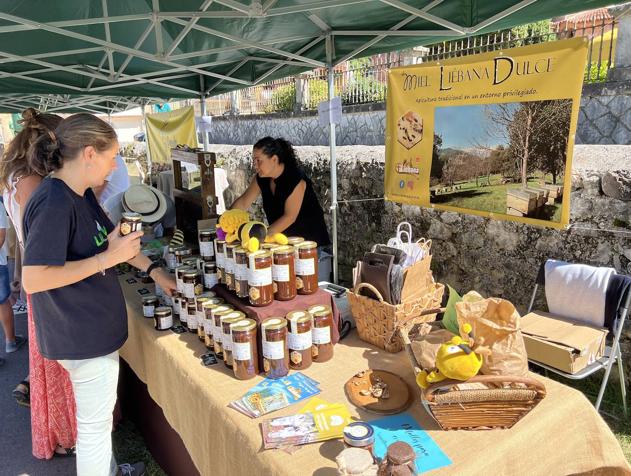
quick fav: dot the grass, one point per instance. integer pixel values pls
(490, 198)
(129, 447)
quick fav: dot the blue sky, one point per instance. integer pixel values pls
(465, 126)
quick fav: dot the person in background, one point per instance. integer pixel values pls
(48, 390)
(70, 253)
(289, 200)
(116, 182)
(12, 341)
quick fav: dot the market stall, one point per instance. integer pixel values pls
(562, 435)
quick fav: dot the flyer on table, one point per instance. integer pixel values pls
(489, 134)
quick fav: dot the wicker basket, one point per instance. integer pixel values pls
(480, 409)
(378, 321)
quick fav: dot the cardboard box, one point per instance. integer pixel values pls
(560, 342)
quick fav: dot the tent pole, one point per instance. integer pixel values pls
(333, 162)
(202, 107)
(144, 126)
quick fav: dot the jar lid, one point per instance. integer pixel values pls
(191, 304)
(221, 309)
(359, 433)
(274, 323)
(183, 252)
(131, 216)
(299, 316)
(320, 310)
(260, 254)
(201, 300)
(190, 274)
(240, 250)
(191, 259)
(269, 246)
(209, 294)
(212, 302)
(233, 245)
(210, 264)
(221, 242)
(174, 248)
(293, 240)
(284, 250)
(243, 325)
(162, 311)
(207, 232)
(149, 298)
(306, 245)
(400, 453)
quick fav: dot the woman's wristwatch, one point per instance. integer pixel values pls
(152, 266)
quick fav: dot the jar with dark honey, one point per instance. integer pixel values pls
(163, 318)
(226, 337)
(130, 222)
(210, 274)
(220, 256)
(229, 265)
(207, 244)
(241, 286)
(176, 304)
(216, 314)
(260, 282)
(170, 256)
(274, 346)
(200, 316)
(322, 349)
(184, 311)
(181, 254)
(179, 272)
(207, 307)
(149, 303)
(284, 273)
(299, 339)
(307, 267)
(245, 360)
(191, 315)
(189, 281)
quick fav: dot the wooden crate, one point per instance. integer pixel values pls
(542, 195)
(515, 213)
(521, 201)
(556, 191)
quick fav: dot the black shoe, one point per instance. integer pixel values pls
(136, 469)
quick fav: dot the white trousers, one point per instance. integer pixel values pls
(94, 382)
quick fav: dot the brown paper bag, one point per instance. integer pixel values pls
(495, 324)
(427, 341)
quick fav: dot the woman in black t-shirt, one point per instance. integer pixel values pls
(71, 248)
(290, 203)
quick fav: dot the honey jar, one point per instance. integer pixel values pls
(229, 265)
(274, 346)
(216, 314)
(200, 317)
(210, 274)
(284, 273)
(207, 307)
(260, 282)
(299, 339)
(206, 239)
(307, 267)
(130, 222)
(245, 360)
(241, 286)
(181, 254)
(163, 318)
(149, 303)
(322, 349)
(220, 254)
(191, 313)
(226, 335)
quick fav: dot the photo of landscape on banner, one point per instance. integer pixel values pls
(489, 134)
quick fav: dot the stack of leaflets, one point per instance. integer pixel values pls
(271, 395)
(318, 423)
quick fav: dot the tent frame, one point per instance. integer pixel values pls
(83, 98)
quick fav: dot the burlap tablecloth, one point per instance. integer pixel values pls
(562, 435)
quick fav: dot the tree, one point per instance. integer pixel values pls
(549, 149)
(437, 162)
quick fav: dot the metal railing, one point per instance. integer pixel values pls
(365, 80)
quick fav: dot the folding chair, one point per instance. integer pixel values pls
(612, 352)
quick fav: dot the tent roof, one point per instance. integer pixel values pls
(177, 48)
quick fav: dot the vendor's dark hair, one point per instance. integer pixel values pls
(49, 152)
(14, 163)
(280, 148)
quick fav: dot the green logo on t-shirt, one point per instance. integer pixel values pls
(101, 235)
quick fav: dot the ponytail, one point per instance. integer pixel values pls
(44, 154)
(281, 148)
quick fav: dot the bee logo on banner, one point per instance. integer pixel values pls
(489, 134)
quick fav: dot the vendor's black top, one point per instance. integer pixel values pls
(83, 320)
(310, 221)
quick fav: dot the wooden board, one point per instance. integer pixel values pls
(521, 200)
(400, 398)
(513, 212)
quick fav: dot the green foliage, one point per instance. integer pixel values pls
(364, 89)
(595, 74)
(283, 99)
(318, 92)
(531, 33)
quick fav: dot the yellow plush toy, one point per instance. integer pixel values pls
(230, 221)
(252, 233)
(456, 360)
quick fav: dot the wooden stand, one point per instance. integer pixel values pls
(194, 205)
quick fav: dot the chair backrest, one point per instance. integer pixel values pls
(577, 291)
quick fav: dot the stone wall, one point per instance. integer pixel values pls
(496, 258)
(604, 118)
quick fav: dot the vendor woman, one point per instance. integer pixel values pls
(289, 201)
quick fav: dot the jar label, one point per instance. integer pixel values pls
(192, 322)
(300, 341)
(188, 289)
(280, 273)
(240, 272)
(305, 267)
(171, 261)
(179, 284)
(206, 248)
(183, 312)
(165, 322)
(201, 317)
(321, 335)
(210, 280)
(274, 350)
(260, 277)
(227, 341)
(241, 351)
(217, 333)
(147, 311)
(229, 265)
(220, 259)
(208, 326)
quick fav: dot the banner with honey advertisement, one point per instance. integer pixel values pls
(489, 134)
(165, 130)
